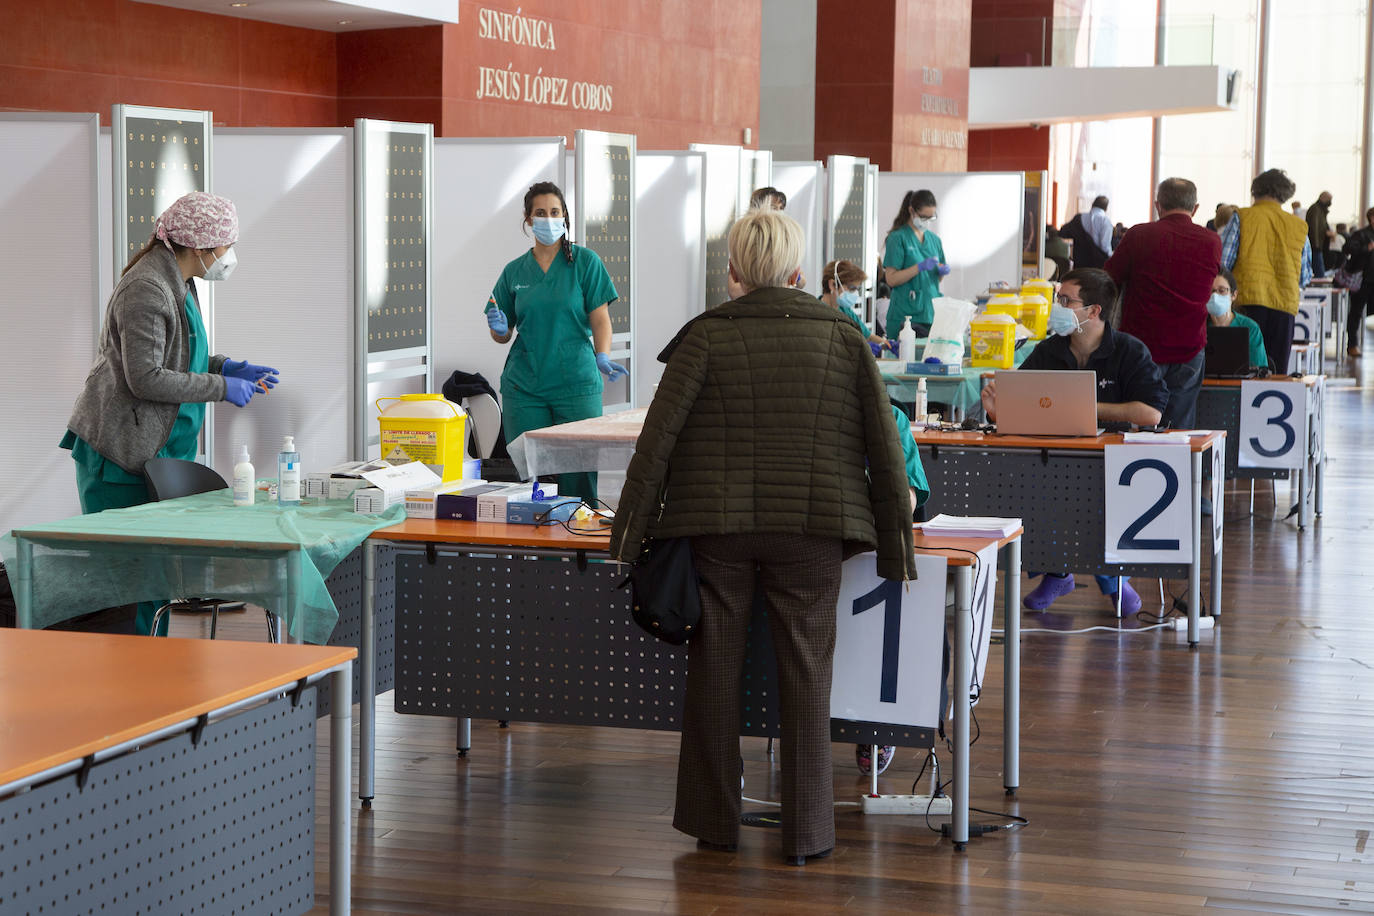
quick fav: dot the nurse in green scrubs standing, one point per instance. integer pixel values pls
(913, 263)
(554, 300)
(145, 397)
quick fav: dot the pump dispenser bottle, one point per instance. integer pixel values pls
(245, 484)
(289, 474)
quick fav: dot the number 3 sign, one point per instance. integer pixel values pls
(1273, 422)
(1148, 516)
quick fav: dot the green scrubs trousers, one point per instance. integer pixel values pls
(521, 413)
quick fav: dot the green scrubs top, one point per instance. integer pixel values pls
(1258, 355)
(854, 317)
(914, 297)
(184, 440)
(552, 356)
(915, 473)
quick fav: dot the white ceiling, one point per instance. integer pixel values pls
(330, 15)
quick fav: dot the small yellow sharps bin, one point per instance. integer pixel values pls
(992, 341)
(424, 427)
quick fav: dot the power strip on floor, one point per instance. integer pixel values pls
(906, 804)
(1203, 623)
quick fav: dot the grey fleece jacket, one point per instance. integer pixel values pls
(139, 380)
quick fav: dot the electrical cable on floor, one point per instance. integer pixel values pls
(773, 804)
(1104, 629)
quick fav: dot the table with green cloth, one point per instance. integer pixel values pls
(962, 392)
(201, 546)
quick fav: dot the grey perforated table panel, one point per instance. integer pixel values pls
(538, 639)
(1058, 494)
(223, 825)
(1218, 407)
(345, 585)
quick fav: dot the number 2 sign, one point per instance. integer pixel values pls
(1148, 513)
(1273, 424)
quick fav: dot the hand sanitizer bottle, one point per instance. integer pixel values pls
(245, 483)
(906, 341)
(289, 474)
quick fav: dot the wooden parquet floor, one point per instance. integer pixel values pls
(1234, 778)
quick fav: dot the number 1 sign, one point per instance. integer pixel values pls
(1148, 516)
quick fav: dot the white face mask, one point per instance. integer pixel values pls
(221, 268)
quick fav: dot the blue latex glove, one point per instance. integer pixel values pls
(240, 368)
(496, 320)
(611, 370)
(944, 269)
(928, 264)
(238, 391)
(876, 348)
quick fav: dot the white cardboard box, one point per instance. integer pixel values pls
(388, 486)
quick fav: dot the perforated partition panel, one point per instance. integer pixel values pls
(541, 639)
(847, 211)
(345, 585)
(1059, 495)
(722, 209)
(479, 190)
(1218, 407)
(804, 185)
(49, 261)
(225, 825)
(605, 220)
(670, 214)
(980, 223)
(273, 312)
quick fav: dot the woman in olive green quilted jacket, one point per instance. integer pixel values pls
(770, 442)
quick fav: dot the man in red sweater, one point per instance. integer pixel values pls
(1166, 268)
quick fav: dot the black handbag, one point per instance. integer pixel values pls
(665, 597)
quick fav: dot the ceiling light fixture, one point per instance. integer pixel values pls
(238, 5)
(345, 22)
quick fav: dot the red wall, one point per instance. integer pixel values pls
(875, 77)
(678, 70)
(86, 55)
(1013, 33)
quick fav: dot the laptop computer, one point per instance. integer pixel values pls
(1036, 402)
(1227, 354)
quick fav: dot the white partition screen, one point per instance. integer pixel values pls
(980, 223)
(290, 304)
(849, 221)
(804, 185)
(392, 206)
(49, 258)
(723, 166)
(605, 181)
(756, 171)
(479, 192)
(670, 207)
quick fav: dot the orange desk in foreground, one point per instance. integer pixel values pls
(166, 775)
(521, 622)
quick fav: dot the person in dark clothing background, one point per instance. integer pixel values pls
(1359, 257)
(1091, 234)
(1319, 232)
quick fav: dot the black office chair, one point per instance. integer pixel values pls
(170, 478)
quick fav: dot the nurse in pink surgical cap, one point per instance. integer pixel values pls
(146, 395)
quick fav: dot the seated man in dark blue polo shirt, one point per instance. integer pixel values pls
(1130, 388)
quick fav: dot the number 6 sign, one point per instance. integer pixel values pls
(1148, 513)
(1273, 424)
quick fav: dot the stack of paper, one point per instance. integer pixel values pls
(956, 526)
(1175, 437)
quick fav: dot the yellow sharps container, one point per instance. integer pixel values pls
(992, 341)
(424, 427)
(1035, 315)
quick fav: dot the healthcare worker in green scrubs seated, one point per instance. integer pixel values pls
(913, 263)
(146, 395)
(842, 288)
(1221, 315)
(555, 301)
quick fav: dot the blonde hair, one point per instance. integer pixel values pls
(766, 248)
(848, 273)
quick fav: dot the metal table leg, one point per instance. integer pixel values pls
(1195, 569)
(23, 582)
(963, 674)
(464, 736)
(367, 676)
(340, 783)
(1011, 666)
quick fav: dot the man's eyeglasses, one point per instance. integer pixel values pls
(1065, 300)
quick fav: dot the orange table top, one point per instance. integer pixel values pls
(64, 696)
(1081, 443)
(554, 537)
(1308, 380)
